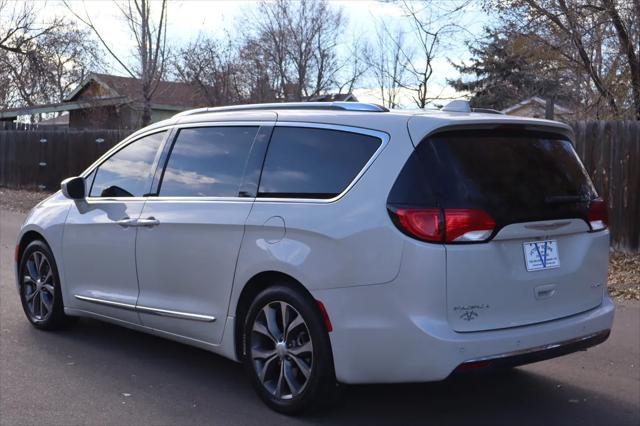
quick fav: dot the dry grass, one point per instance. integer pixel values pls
(624, 275)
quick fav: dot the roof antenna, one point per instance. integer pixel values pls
(457, 106)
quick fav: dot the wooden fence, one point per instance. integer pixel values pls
(610, 151)
(40, 159)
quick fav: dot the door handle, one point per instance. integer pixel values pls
(148, 222)
(126, 222)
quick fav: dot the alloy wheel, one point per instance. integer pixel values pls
(281, 350)
(38, 287)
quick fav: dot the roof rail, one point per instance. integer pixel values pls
(338, 105)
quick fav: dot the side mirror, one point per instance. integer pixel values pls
(73, 188)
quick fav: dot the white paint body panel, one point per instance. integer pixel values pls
(494, 289)
(187, 263)
(99, 256)
(389, 297)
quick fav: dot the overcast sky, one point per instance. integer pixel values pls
(188, 19)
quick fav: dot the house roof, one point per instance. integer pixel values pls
(168, 94)
(60, 107)
(537, 100)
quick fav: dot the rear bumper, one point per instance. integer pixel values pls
(381, 335)
(530, 355)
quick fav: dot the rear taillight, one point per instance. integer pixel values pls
(424, 224)
(597, 215)
(465, 225)
(445, 225)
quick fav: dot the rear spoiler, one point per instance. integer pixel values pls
(421, 126)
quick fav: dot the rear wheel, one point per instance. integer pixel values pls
(287, 353)
(40, 291)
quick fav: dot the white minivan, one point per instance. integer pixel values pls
(326, 243)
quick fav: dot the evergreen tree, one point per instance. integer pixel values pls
(507, 68)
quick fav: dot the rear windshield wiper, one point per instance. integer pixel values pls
(564, 199)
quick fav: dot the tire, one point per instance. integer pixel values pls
(40, 291)
(292, 371)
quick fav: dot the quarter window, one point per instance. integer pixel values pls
(313, 163)
(208, 162)
(127, 173)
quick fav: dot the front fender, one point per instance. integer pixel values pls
(47, 219)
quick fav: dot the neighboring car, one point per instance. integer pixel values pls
(331, 243)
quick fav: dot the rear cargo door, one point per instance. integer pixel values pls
(543, 261)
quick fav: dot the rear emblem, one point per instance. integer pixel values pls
(469, 315)
(469, 312)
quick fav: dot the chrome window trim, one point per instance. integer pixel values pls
(191, 199)
(384, 141)
(117, 147)
(146, 309)
(224, 124)
(94, 200)
(383, 136)
(121, 145)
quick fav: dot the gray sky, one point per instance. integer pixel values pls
(188, 19)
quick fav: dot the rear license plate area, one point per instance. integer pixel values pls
(541, 255)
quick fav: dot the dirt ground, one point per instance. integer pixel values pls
(624, 268)
(20, 201)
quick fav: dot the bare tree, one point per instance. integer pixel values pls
(214, 67)
(598, 38)
(389, 63)
(68, 54)
(405, 52)
(299, 41)
(629, 43)
(45, 68)
(259, 76)
(5, 83)
(355, 66)
(20, 27)
(150, 34)
(431, 25)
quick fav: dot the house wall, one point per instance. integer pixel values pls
(108, 117)
(530, 110)
(159, 115)
(535, 110)
(112, 117)
(156, 115)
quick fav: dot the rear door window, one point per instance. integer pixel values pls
(514, 175)
(207, 161)
(304, 162)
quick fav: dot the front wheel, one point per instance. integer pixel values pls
(287, 352)
(40, 291)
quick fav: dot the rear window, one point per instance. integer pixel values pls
(306, 162)
(513, 175)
